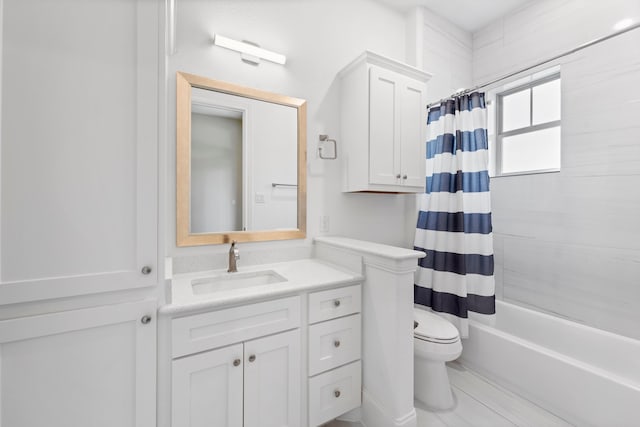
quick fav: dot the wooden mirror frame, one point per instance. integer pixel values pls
(184, 237)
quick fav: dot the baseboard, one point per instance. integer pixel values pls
(374, 415)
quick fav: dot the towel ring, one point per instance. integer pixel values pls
(325, 139)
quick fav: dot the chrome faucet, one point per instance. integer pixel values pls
(234, 255)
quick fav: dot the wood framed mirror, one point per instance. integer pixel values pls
(240, 163)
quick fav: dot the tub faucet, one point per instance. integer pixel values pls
(234, 255)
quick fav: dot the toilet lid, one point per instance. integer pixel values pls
(432, 327)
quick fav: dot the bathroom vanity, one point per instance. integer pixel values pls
(252, 348)
(295, 343)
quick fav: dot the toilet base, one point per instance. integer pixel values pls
(431, 384)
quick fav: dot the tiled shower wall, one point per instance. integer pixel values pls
(569, 242)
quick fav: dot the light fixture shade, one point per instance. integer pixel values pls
(249, 49)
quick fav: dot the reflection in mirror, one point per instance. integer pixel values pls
(241, 158)
(216, 169)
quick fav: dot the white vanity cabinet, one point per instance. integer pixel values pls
(335, 378)
(383, 125)
(250, 373)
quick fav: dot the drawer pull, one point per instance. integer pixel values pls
(336, 343)
(236, 362)
(336, 303)
(252, 358)
(336, 393)
(146, 319)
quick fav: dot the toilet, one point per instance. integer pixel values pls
(435, 341)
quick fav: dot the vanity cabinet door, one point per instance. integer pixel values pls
(91, 367)
(207, 389)
(272, 381)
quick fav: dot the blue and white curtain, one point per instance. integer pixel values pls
(454, 222)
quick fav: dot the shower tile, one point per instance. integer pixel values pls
(588, 284)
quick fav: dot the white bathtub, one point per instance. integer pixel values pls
(587, 376)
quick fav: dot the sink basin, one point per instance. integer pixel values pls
(228, 281)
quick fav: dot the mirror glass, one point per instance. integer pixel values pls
(241, 156)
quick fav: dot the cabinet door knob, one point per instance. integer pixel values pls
(336, 302)
(146, 319)
(236, 362)
(146, 270)
(252, 358)
(336, 393)
(404, 176)
(398, 176)
(336, 343)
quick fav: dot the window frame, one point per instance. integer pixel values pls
(500, 134)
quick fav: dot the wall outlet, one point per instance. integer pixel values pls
(324, 223)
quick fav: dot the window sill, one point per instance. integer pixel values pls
(536, 172)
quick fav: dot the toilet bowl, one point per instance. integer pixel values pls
(435, 341)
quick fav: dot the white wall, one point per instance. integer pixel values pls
(446, 53)
(319, 37)
(567, 242)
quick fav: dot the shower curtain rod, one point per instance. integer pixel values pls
(546, 61)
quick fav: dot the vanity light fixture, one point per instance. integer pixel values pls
(254, 52)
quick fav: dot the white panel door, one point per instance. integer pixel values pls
(272, 381)
(92, 367)
(207, 389)
(384, 131)
(413, 129)
(79, 126)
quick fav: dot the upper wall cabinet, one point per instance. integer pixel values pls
(383, 125)
(79, 123)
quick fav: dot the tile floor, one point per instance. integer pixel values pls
(480, 404)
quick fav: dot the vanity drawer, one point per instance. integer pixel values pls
(334, 343)
(214, 329)
(332, 303)
(333, 393)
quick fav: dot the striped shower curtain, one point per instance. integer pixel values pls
(454, 221)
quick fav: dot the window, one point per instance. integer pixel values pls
(527, 117)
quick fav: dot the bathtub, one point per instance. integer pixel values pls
(584, 375)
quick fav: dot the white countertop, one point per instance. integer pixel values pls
(377, 249)
(302, 275)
